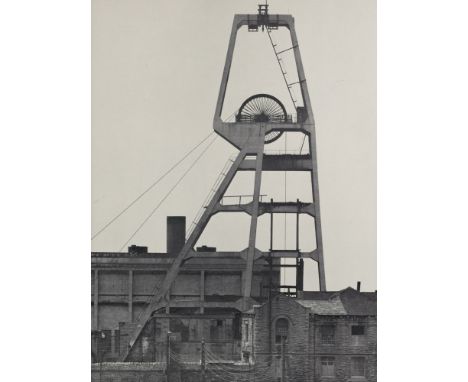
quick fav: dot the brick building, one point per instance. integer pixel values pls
(315, 336)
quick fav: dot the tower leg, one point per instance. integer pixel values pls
(254, 216)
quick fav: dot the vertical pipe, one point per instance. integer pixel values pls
(299, 260)
(271, 225)
(283, 360)
(297, 225)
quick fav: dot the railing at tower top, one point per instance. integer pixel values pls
(288, 118)
(284, 152)
(237, 200)
(234, 117)
(210, 195)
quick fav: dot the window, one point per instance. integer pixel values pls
(357, 335)
(281, 330)
(358, 366)
(246, 331)
(181, 327)
(357, 330)
(327, 334)
(217, 330)
(328, 366)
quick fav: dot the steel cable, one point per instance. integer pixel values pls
(168, 193)
(149, 188)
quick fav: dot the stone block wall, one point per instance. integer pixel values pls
(267, 350)
(344, 347)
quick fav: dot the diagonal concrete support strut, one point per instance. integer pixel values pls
(156, 300)
(254, 215)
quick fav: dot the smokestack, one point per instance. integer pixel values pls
(358, 286)
(175, 233)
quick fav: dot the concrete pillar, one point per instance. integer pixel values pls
(130, 296)
(113, 349)
(96, 300)
(202, 291)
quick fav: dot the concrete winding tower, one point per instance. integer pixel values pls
(260, 120)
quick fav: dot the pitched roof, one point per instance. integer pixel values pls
(359, 304)
(347, 301)
(326, 307)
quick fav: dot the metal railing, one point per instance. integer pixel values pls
(283, 152)
(235, 117)
(256, 119)
(239, 199)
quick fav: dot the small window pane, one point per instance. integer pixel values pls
(357, 366)
(327, 334)
(357, 330)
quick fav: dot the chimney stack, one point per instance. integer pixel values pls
(175, 233)
(358, 286)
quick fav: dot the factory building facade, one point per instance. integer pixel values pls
(204, 333)
(315, 336)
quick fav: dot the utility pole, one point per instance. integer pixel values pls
(283, 360)
(202, 361)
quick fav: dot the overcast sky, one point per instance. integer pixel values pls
(156, 68)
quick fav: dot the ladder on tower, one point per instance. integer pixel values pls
(212, 191)
(283, 72)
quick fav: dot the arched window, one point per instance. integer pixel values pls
(281, 330)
